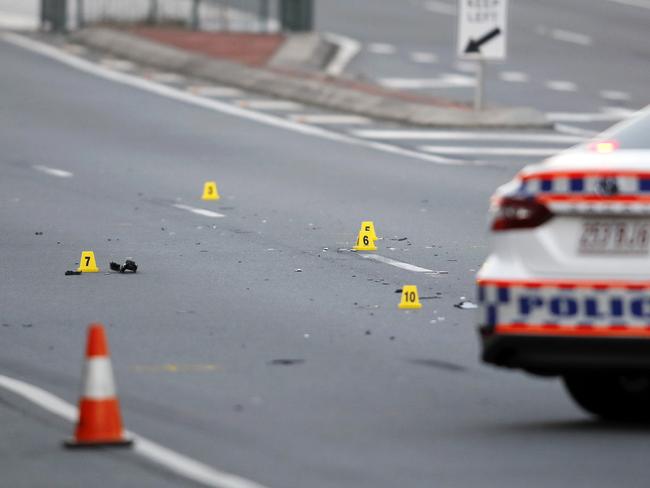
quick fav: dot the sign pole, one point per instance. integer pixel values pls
(479, 90)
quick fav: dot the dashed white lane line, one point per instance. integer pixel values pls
(381, 48)
(199, 211)
(215, 91)
(59, 173)
(401, 264)
(514, 76)
(570, 36)
(423, 57)
(442, 135)
(218, 106)
(447, 80)
(118, 64)
(491, 151)
(438, 7)
(575, 131)
(277, 105)
(615, 95)
(610, 115)
(466, 66)
(633, 3)
(175, 462)
(330, 119)
(561, 85)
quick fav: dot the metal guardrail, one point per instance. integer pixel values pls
(237, 15)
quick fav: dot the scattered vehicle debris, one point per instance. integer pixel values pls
(129, 265)
(466, 305)
(72, 273)
(286, 362)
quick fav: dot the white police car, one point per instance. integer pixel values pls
(566, 288)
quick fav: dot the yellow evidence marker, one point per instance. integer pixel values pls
(364, 241)
(210, 191)
(87, 263)
(369, 226)
(410, 299)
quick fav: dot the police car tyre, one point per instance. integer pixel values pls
(612, 396)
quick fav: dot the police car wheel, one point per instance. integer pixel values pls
(610, 395)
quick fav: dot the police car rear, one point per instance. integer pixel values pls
(566, 288)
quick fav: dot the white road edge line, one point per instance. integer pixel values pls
(199, 211)
(348, 48)
(572, 37)
(633, 3)
(177, 94)
(400, 264)
(494, 151)
(173, 461)
(446, 135)
(59, 173)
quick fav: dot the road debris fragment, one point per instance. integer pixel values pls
(72, 273)
(129, 265)
(286, 362)
(466, 305)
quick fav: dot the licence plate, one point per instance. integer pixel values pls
(620, 236)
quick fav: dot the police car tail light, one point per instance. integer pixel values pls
(520, 213)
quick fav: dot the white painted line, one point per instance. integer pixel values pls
(561, 85)
(175, 462)
(59, 173)
(161, 77)
(570, 36)
(609, 116)
(466, 66)
(576, 131)
(199, 211)
(633, 3)
(447, 80)
(13, 21)
(381, 48)
(443, 8)
(216, 105)
(397, 264)
(118, 64)
(442, 135)
(423, 57)
(330, 119)
(215, 91)
(492, 151)
(615, 95)
(347, 50)
(277, 105)
(514, 76)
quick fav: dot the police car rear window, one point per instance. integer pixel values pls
(634, 135)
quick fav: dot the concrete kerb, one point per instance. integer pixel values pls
(303, 90)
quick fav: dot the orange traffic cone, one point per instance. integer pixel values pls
(100, 423)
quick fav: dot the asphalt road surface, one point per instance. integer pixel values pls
(371, 396)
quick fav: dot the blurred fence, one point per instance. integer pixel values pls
(221, 15)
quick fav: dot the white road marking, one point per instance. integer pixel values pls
(615, 95)
(634, 3)
(576, 131)
(175, 462)
(59, 173)
(442, 135)
(348, 48)
(162, 77)
(447, 80)
(605, 116)
(381, 48)
(398, 264)
(514, 76)
(443, 8)
(216, 105)
(199, 211)
(492, 151)
(561, 85)
(466, 66)
(118, 64)
(277, 105)
(423, 57)
(572, 37)
(13, 21)
(215, 91)
(330, 119)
